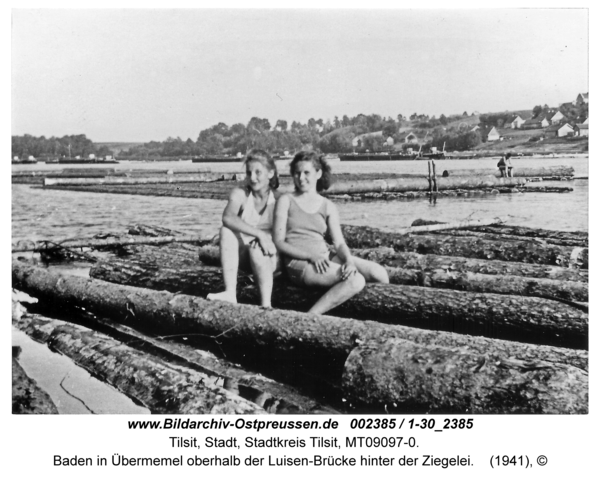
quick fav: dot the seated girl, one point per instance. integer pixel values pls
(245, 237)
(302, 221)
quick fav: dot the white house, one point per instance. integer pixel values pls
(559, 130)
(557, 117)
(517, 122)
(582, 129)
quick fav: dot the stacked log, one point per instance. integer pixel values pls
(327, 342)
(450, 278)
(473, 247)
(493, 315)
(159, 386)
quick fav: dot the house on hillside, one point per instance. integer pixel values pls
(517, 122)
(559, 131)
(358, 141)
(555, 118)
(582, 129)
(408, 137)
(488, 133)
(537, 122)
(582, 98)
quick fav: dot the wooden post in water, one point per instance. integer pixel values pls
(435, 187)
(429, 176)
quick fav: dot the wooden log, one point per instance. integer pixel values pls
(492, 236)
(529, 319)
(518, 172)
(274, 336)
(473, 247)
(418, 184)
(399, 374)
(408, 260)
(27, 397)
(110, 180)
(467, 223)
(161, 387)
(567, 238)
(273, 396)
(432, 262)
(572, 292)
(113, 241)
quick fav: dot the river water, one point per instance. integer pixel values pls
(50, 214)
(45, 214)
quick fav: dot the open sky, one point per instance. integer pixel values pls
(140, 75)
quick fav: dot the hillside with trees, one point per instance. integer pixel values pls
(372, 132)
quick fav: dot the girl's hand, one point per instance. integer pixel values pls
(266, 245)
(348, 269)
(321, 264)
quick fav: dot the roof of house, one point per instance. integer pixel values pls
(556, 127)
(536, 120)
(583, 126)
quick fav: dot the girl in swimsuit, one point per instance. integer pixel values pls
(302, 221)
(245, 237)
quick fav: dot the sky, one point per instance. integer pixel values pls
(128, 75)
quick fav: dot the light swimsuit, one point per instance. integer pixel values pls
(262, 221)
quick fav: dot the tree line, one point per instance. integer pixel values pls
(329, 136)
(53, 147)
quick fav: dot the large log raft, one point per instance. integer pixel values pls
(473, 247)
(468, 281)
(518, 172)
(291, 337)
(159, 386)
(529, 319)
(399, 373)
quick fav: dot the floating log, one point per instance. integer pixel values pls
(473, 247)
(468, 281)
(27, 397)
(529, 319)
(110, 180)
(266, 336)
(432, 262)
(518, 172)
(159, 386)
(451, 225)
(418, 184)
(401, 374)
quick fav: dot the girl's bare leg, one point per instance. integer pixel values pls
(230, 260)
(340, 290)
(262, 267)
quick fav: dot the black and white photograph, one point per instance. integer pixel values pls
(373, 215)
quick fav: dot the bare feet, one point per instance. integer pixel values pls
(223, 296)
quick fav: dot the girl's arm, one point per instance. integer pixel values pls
(341, 249)
(279, 232)
(233, 221)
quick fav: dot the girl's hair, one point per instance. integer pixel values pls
(319, 163)
(267, 161)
